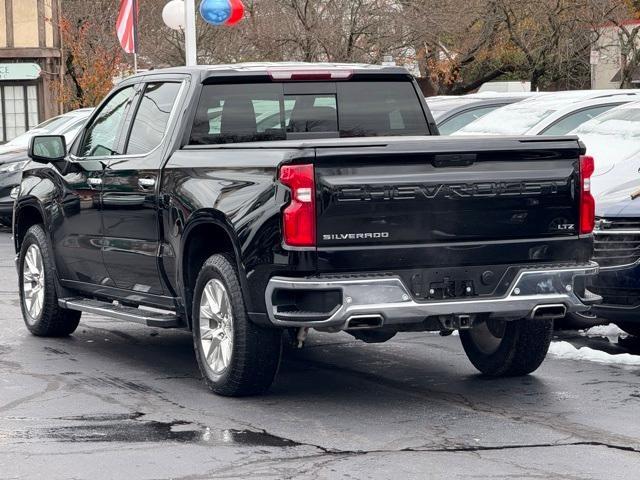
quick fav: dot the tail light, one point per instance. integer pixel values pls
(587, 202)
(299, 217)
(286, 74)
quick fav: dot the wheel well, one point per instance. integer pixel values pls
(203, 241)
(26, 217)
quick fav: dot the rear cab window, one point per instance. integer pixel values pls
(234, 113)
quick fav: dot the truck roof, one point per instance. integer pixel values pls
(265, 68)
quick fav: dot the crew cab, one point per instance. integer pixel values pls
(244, 201)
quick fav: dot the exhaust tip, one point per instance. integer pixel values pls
(548, 312)
(362, 322)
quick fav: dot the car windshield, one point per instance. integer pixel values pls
(619, 128)
(440, 106)
(67, 125)
(44, 128)
(518, 118)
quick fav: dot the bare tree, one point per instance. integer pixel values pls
(453, 48)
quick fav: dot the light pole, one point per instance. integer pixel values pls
(181, 15)
(190, 44)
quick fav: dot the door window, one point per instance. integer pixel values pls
(152, 117)
(102, 137)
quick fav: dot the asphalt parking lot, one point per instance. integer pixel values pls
(118, 400)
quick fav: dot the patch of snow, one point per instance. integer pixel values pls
(456, 333)
(567, 351)
(610, 330)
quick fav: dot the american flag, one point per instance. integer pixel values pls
(127, 25)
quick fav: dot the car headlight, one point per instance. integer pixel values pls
(13, 167)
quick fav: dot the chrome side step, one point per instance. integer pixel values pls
(120, 312)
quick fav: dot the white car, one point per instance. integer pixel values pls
(451, 113)
(552, 114)
(68, 124)
(613, 140)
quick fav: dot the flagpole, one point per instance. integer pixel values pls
(190, 45)
(135, 36)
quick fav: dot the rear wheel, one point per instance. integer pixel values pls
(235, 356)
(507, 348)
(38, 298)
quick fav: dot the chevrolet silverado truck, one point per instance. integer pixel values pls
(250, 203)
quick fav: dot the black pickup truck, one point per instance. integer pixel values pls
(245, 201)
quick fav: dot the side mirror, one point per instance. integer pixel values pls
(47, 148)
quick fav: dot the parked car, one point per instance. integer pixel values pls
(349, 216)
(613, 139)
(13, 155)
(451, 113)
(617, 250)
(68, 122)
(553, 114)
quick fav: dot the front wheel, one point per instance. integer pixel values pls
(235, 356)
(38, 298)
(502, 348)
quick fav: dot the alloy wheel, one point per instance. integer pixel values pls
(488, 335)
(216, 326)
(33, 282)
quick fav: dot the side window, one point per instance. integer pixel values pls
(574, 120)
(152, 117)
(102, 137)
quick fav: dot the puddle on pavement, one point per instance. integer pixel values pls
(130, 429)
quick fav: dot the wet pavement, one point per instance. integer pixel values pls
(119, 400)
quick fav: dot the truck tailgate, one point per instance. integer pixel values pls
(442, 190)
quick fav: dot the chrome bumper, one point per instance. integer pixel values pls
(388, 298)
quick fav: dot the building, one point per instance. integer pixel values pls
(30, 53)
(607, 58)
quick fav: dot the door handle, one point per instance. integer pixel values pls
(147, 183)
(94, 182)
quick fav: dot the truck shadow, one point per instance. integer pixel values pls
(332, 371)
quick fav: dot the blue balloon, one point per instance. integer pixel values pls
(215, 12)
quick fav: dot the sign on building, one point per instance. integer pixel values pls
(19, 71)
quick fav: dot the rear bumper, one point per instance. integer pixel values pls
(388, 299)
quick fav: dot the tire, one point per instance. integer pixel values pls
(235, 356)
(630, 328)
(501, 348)
(37, 281)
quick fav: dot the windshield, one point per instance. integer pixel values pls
(456, 122)
(439, 107)
(44, 128)
(68, 125)
(518, 118)
(620, 128)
